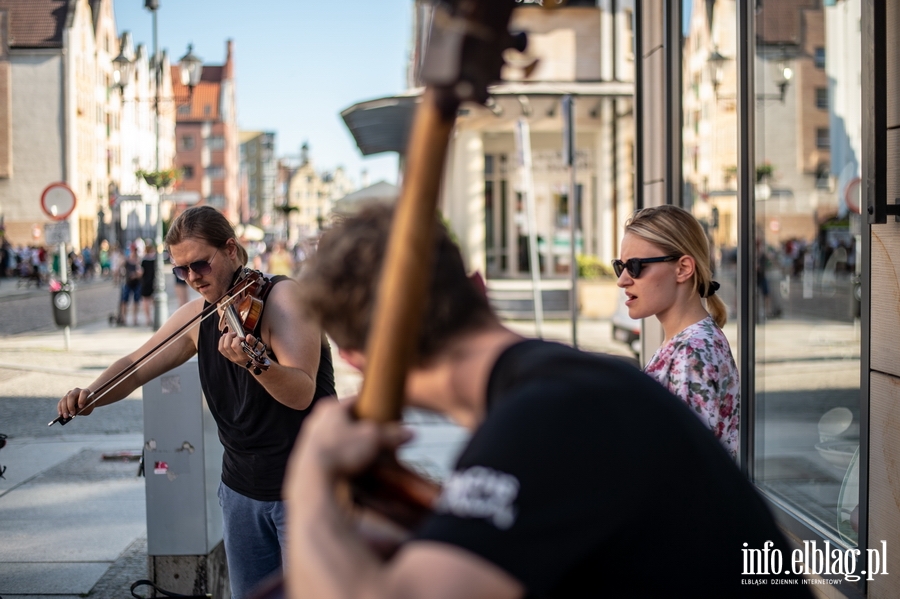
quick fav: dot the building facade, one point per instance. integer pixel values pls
(207, 137)
(310, 197)
(65, 118)
(584, 53)
(259, 169)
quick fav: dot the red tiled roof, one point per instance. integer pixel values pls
(36, 23)
(204, 104)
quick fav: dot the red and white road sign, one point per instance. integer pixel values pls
(58, 201)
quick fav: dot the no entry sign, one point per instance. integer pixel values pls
(58, 201)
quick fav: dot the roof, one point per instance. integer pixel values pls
(36, 23)
(204, 102)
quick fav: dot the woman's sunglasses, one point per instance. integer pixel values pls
(635, 265)
(201, 267)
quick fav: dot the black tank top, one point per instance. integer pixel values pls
(256, 430)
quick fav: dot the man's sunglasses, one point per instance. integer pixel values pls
(201, 267)
(635, 265)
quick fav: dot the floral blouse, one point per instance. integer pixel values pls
(697, 366)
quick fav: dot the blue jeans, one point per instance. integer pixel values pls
(254, 535)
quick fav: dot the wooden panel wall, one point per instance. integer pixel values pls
(885, 299)
(884, 378)
(884, 479)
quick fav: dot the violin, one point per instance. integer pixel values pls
(239, 294)
(241, 313)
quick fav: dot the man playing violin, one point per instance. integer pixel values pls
(258, 403)
(582, 476)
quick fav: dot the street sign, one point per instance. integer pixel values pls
(56, 233)
(58, 201)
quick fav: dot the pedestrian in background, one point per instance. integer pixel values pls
(131, 287)
(103, 259)
(281, 262)
(665, 272)
(148, 278)
(117, 264)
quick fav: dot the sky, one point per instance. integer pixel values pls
(298, 64)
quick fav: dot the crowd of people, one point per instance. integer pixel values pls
(36, 264)
(578, 463)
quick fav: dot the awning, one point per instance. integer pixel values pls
(383, 125)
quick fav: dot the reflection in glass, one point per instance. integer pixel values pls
(807, 241)
(808, 148)
(709, 134)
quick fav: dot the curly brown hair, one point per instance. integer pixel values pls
(339, 284)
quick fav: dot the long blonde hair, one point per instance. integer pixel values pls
(678, 233)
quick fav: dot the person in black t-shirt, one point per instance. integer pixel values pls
(258, 411)
(583, 476)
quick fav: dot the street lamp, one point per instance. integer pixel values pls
(191, 69)
(783, 73)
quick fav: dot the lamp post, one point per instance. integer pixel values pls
(191, 68)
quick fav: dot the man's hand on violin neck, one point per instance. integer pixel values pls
(232, 346)
(72, 401)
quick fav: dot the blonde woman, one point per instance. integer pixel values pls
(665, 272)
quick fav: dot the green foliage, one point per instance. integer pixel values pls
(159, 179)
(592, 268)
(763, 171)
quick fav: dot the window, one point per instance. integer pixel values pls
(187, 142)
(184, 109)
(215, 172)
(187, 172)
(215, 142)
(216, 200)
(805, 427)
(820, 58)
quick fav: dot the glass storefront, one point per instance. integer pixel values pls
(807, 226)
(806, 362)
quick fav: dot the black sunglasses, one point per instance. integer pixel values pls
(201, 267)
(634, 265)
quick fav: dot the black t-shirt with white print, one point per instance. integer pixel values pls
(587, 476)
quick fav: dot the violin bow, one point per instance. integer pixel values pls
(123, 374)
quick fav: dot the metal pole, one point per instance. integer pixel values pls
(523, 137)
(568, 114)
(160, 301)
(63, 279)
